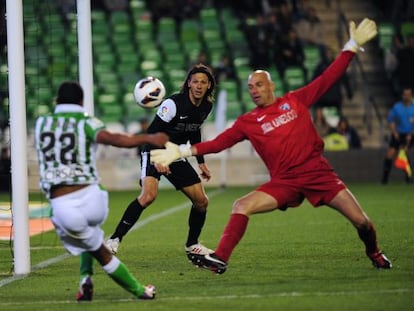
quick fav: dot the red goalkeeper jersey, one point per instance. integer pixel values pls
(283, 133)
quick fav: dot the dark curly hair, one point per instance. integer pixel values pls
(200, 68)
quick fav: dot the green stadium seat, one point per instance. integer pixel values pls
(55, 35)
(144, 32)
(105, 59)
(175, 61)
(31, 37)
(71, 43)
(133, 59)
(129, 79)
(32, 70)
(190, 30)
(128, 99)
(126, 52)
(166, 30)
(138, 8)
(243, 73)
(40, 102)
(133, 111)
(216, 48)
(233, 110)
(107, 78)
(173, 54)
(210, 35)
(51, 19)
(109, 108)
(121, 29)
(171, 46)
(147, 65)
(34, 82)
(215, 55)
(28, 9)
(294, 78)
(192, 49)
(209, 19)
(209, 14)
(241, 61)
(36, 55)
(120, 39)
(57, 52)
(126, 67)
(157, 73)
(74, 71)
(119, 18)
(101, 28)
(178, 74)
(237, 43)
(99, 38)
(35, 109)
(233, 97)
(386, 32)
(98, 16)
(312, 59)
(152, 55)
(45, 95)
(175, 79)
(407, 28)
(228, 19)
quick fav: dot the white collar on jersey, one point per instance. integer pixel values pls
(69, 108)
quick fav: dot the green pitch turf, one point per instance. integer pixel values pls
(301, 259)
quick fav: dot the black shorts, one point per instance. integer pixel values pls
(394, 143)
(182, 173)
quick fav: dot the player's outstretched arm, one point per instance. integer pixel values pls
(124, 140)
(360, 35)
(171, 153)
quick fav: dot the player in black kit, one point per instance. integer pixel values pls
(180, 116)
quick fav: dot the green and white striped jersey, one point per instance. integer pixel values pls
(66, 147)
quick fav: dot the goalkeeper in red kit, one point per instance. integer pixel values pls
(282, 132)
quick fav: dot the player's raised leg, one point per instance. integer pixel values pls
(347, 205)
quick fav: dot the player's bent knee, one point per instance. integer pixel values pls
(201, 204)
(147, 199)
(239, 207)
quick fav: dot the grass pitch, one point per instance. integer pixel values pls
(301, 259)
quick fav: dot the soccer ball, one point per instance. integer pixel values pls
(149, 92)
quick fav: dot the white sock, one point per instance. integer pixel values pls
(111, 266)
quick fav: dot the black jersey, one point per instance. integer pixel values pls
(179, 118)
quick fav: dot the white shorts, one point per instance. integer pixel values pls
(77, 217)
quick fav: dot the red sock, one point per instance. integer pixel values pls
(368, 235)
(231, 236)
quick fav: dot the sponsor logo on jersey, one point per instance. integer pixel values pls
(162, 113)
(187, 127)
(280, 120)
(62, 173)
(284, 107)
(260, 119)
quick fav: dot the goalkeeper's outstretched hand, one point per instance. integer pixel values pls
(171, 153)
(360, 35)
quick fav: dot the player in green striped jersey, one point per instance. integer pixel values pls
(66, 143)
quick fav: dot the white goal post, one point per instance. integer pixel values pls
(18, 129)
(18, 136)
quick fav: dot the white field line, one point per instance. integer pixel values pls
(137, 226)
(226, 297)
